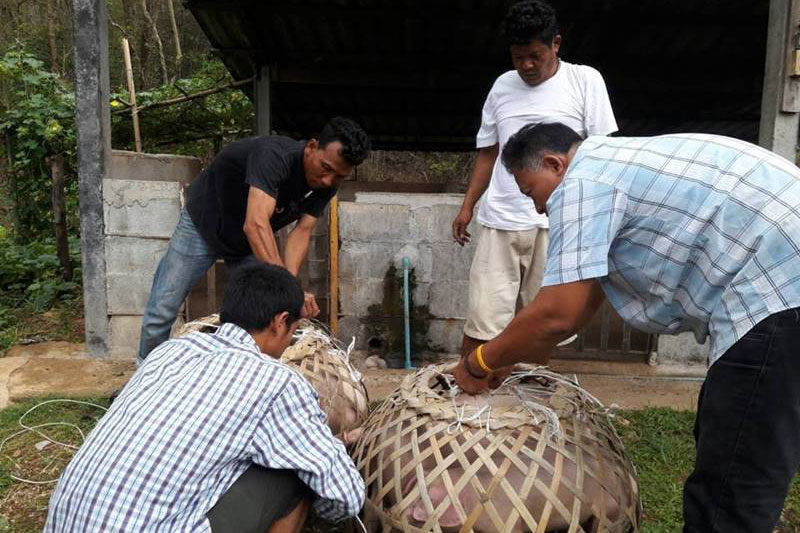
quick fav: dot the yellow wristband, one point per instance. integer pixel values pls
(481, 362)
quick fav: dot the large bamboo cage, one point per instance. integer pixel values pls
(537, 454)
(325, 362)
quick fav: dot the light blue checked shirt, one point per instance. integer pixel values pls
(199, 412)
(684, 232)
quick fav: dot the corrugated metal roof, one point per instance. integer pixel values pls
(415, 73)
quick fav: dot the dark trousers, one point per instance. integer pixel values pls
(257, 499)
(747, 432)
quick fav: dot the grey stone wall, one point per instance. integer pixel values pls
(142, 199)
(376, 231)
(682, 348)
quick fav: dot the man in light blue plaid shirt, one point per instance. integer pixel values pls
(213, 434)
(681, 233)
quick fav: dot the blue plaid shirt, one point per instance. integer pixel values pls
(684, 232)
(198, 413)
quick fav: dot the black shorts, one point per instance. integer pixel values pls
(256, 500)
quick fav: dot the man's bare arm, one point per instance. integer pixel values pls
(297, 243)
(478, 182)
(257, 228)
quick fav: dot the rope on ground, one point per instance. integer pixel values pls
(35, 429)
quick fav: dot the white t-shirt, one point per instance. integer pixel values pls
(575, 96)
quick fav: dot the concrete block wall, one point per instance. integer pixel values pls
(142, 201)
(376, 231)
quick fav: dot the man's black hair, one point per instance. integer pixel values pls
(256, 292)
(530, 20)
(355, 142)
(526, 148)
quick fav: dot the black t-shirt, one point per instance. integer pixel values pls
(217, 199)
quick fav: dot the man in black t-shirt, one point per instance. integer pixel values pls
(253, 188)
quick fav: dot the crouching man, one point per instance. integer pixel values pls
(212, 433)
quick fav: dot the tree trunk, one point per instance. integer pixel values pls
(159, 44)
(176, 37)
(51, 37)
(60, 215)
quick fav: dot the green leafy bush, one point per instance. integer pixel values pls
(29, 274)
(36, 109)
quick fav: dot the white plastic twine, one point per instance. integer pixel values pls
(319, 331)
(527, 393)
(35, 429)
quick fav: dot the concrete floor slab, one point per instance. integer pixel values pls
(62, 369)
(76, 377)
(7, 366)
(50, 349)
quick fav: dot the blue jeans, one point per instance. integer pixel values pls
(187, 259)
(747, 432)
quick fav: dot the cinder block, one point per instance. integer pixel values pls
(451, 262)
(421, 294)
(366, 259)
(124, 332)
(352, 326)
(421, 224)
(153, 167)
(356, 296)
(683, 348)
(423, 266)
(449, 300)
(368, 292)
(347, 297)
(414, 200)
(373, 222)
(130, 265)
(442, 223)
(141, 208)
(445, 335)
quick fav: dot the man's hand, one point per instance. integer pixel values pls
(468, 382)
(460, 233)
(497, 377)
(310, 307)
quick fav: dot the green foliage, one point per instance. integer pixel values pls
(29, 274)
(189, 128)
(35, 117)
(661, 445)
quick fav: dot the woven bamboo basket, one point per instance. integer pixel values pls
(324, 361)
(538, 454)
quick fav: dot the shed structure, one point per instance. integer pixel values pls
(415, 75)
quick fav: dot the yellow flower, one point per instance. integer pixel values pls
(54, 127)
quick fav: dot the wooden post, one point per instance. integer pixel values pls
(780, 103)
(60, 215)
(333, 273)
(126, 52)
(262, 101)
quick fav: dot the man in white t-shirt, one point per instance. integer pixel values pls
(507, 269)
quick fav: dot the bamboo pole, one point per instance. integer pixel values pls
(333, 273)
(126, 52)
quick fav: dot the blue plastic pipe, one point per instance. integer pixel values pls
(406, 312)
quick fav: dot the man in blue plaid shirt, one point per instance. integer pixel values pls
(214, 434)
(681, 233)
